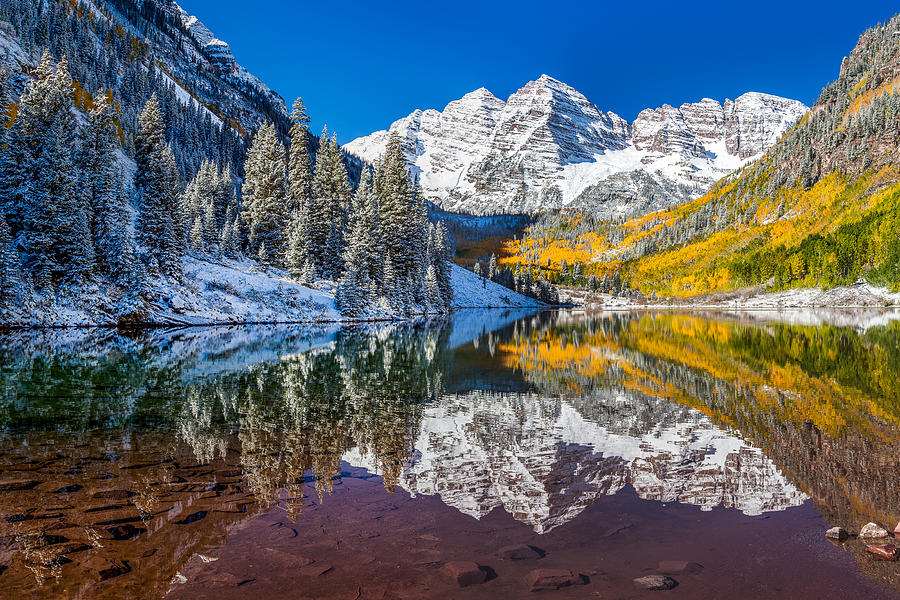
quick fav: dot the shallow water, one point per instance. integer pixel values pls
(294, 463)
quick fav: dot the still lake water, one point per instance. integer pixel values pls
(276, 462)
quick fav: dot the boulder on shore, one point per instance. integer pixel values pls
(883, 551)
(873, 530)
(837, 533)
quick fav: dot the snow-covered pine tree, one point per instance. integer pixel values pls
(159, 217)
(19, 164)
(388, 279)
(440, 258)
(355, 288)
(231, 237)
(432, 290)
(329, 208)
(265, 195)
(217, 213)
(300, 184)
(395, 201)
(102, 187)
(205, 204)
(417, 232)
(300, 176)
(50, 214)
(69, 233)
(175, 242)
(10, 278)
(116, 241)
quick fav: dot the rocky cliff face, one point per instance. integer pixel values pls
(199, 63)
(549, 147)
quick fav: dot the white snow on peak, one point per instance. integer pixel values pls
(548, 146)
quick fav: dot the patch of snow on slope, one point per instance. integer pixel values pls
(472, 291)
(187, 100)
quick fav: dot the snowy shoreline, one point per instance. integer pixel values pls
(860, 295)
(237, 292)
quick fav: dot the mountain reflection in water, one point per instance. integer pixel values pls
(123, 457)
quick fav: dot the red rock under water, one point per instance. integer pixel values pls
(383, 545)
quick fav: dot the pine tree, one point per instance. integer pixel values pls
(432, 290)
(41, 198)
(19, 163)
(300, 177)
(388, 279)
(10, 276)
(403, 220)
(298, 258)
(159, 221)
(265, 195)
(355, 288)
(441, 257)
(69, 234)
(329, 208)
(175, 242)
(102, 188)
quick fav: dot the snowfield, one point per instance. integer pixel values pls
(472, 291)
(224, 291)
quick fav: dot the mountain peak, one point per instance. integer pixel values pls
(482, 94)
(548, 146)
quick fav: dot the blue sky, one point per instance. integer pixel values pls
(361, 65)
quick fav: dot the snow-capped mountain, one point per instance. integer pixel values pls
(544, 461)
(549, 147)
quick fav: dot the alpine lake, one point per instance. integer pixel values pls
(488, 455)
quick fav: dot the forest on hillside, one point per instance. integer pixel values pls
(109, 178)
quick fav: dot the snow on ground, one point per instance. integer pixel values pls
(472, 291)
(240, 291)
(860, 306)
(224, 291)
(187, 100)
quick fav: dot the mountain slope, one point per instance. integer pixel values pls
(198, 62)
(549, 147)
(820, 209)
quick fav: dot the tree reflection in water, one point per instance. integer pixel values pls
(125, 455)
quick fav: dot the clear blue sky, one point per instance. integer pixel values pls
(361, 65)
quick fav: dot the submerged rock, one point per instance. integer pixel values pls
(654, 582)
(465, 573)
(520, 552)
(677, 567)
(873, 530)
(837, 533)
(552, 579)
